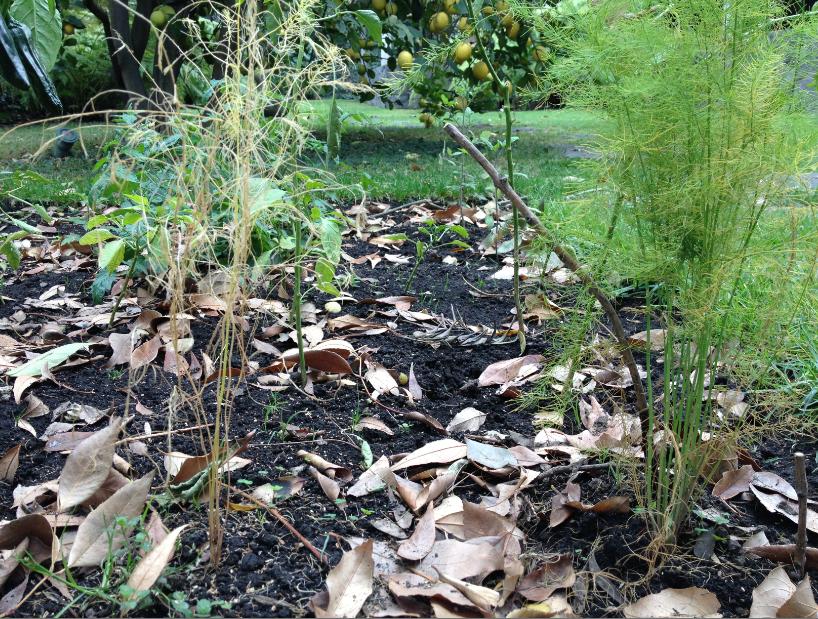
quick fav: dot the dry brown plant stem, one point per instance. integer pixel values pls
(801, 491)
(568, 259)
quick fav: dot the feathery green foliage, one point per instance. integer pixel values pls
(701, 96)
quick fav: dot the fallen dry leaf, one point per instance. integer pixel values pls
(777, 596)
(468, 420)
(506, 371)
(145, 353)
(551, 576)
(443, 451)
(87, 466)
(329, 486)
(9, 462)
(150, 567)
(98, 535)
(733, 482)
(420, 543)
(689, 602)
(349, 584)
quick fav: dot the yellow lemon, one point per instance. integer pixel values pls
(391, 8)
(405, 60)
(379, 5)
(440, 21)
(68, 28)
(513, 29)
(449, 6)
(507, 20)
(501, 5)
(462, 52)
(541, 53)
(461, 103)
(463, 24)
(488, 10)
(480, 70)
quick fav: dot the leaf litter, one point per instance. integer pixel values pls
(459, 513)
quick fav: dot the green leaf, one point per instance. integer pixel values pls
(24, 226)
(263, 194)
(45, 25)
(93, 237)
(324, 270)
(370, 20)
(9, 250)
(102, 285)
(331, 240)
(366, 454)
(50, 359)
(111, 255)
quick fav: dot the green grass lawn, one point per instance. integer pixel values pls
(387, 153)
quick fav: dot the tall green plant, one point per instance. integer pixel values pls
(700, 98)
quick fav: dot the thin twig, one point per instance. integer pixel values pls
(280, 517)
(568, 259)
(801, 491)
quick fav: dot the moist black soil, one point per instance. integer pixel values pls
(265, 571)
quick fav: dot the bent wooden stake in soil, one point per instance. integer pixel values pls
(569, 261)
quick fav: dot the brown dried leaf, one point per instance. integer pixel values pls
(98, 535)
(9, 462)
(349, 584)
(689, 602)
(329, 486)
(148, 570)
(468, 420)
(770, 482)
(541, 584)
(733, 482)
(334, 471)
(122, 346)
(772, 594)
(373, 423)
(145, 353)
(420, 543)
(443, 451)
(780, 504)
(508, 370)
(87, 466)
(372, 479)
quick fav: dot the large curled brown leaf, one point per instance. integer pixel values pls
(98, 536)
(733, 482)
(349, 584)
(505, 371)
(87, 466)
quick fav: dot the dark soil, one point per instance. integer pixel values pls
(264, 570)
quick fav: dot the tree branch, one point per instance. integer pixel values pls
(569, 261)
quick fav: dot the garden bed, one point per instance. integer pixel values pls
(265, 570)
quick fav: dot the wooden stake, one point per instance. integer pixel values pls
(801, 491)
(568, 259)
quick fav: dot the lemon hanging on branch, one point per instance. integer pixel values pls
(439, 22)
(378, 5)
(462, 52)
(513, 29)
(480, 70)
(405, 60)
